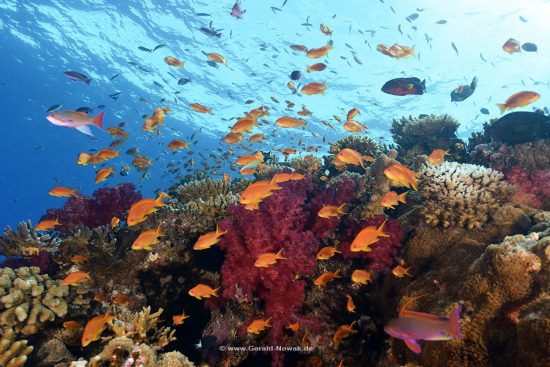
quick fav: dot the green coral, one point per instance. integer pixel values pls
(29, 299)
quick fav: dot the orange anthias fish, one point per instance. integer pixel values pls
(71, 324)
(352, 113)
(121, 299)
(315, 53)
(114, 222)
(75, 277)
(141, 161)
(323, 279)
(217, 58)
(354, 127)
(172, 61)
(105, 154)
(314, 88)
(400, 271)
(391, 199)
(244, 160)
(517, 100)
(361, 276)
(178, 144)
(179, 319)
(350, 156)
(294, 327)
(197, 107)
(511, 46)
(244, 125)
(143, 208)
(366, 237)
(103, 174)
(350, 305)
(201, 291)
(268, 258)
(396, 51)
(233, 138)
(147, 238)
(256, 192)
(411, 326)
(287, 121)
(331, 211)
(437, 156)
(95, 327)
(401, 176)
(47, 225)
(256, 137)
(117, 132)
(79, 259)
(327, 252)
(343, 331)
(208, 240)
(63, 192)
(257, 326)
(316, 67)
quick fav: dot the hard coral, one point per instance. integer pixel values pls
(364, 145)
(98, 210)
(461, 194)
(30, 299)
(422, 135)
(25, 241)
(13, 352)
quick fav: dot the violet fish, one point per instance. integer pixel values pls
(412, 326)
(77, 120)
(236, 11)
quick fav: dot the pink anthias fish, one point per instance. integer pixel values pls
(236, 11)
(411, 326)
(78, 120)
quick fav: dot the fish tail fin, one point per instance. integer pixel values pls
(280, 255)
(215, 291)
(410, 51)
(342, 209)
(414, 183)
(502, 107)
(473, 84)
(454, 323)
(161, 197)
(402, 197)
(380, 230)
(268, 321)
(337, 273)
(423, 85)
(159, 231)
(98, 120)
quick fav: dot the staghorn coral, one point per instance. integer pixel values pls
(25, 241)
(105, 203)
(416, 136)
(13, 352)
(29, 299)
(461, 194)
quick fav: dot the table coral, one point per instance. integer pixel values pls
(461, 194)
(13, 352)
(105, 203)
(29, 299)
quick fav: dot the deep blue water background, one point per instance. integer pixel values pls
(39, 40)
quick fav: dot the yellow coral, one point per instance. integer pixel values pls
(13, 353)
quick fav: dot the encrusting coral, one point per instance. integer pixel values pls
(416, 136)
(13, 352)
(459, 194)
(29, 299)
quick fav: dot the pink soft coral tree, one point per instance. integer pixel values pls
(533, 187)
(105, 203)
(286, 220)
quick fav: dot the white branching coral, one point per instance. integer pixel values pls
(464, 195)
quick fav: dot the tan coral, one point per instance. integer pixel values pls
(30, 299)
(24, 240)
(463, 195)
(13, 352)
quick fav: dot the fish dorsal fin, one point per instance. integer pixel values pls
(421, 315)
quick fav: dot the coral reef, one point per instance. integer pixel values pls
(533, 187)
(416, 136)
(97, 210)
(29, 299)
(362, 144)
(502, 286)
(25, 241)
(459, 194)
(13, 352)
(531, 155)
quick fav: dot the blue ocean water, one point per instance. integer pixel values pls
(39, 40)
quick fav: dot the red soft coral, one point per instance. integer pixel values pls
(383, 251)
(533, 188)
(106, 203)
